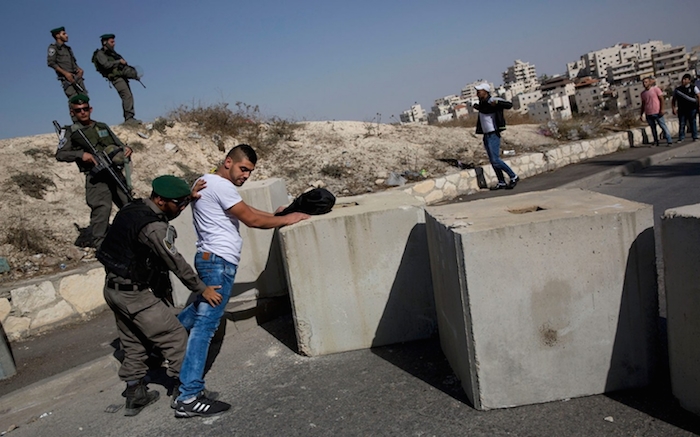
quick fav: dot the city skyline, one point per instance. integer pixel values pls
(309, 60)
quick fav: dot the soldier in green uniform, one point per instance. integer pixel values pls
(138, 253)
(112, 66)
(60, 57)
(100, 188)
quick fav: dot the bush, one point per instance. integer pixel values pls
(573, 129)
(32, 185)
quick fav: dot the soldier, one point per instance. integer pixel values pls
(60, 58)
(100, 188)
(138, 253)
(112, 66)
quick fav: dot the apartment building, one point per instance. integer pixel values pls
(522, 101)
(670, 61)
(468, 93)
(589, 98)
(552, 107)
(414, 115)
(522, 72)
(596, 63)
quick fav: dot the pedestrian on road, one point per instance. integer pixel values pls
(114, 68)
(685, 104)
(138, 253)
(100, 188)
(217, 215)
(490, 123)
(653, 109)
(60, 57)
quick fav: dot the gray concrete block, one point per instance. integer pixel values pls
(680, 233)
(359, 276)
(545, 296)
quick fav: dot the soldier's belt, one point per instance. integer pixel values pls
(125, 287)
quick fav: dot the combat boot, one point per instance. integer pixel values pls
(138, 397)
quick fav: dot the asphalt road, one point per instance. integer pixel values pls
(406, 389)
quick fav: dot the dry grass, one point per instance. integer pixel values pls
(33, 185)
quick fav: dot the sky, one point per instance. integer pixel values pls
(308, 60)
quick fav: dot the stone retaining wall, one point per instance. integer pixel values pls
(43, 303)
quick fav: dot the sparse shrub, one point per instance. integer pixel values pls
(280, 130)
(137, 146)
(333, 170)
(38, 153)
(372, 126)
(32, 185)
(25, 239)
(629, 120)
(573, 129)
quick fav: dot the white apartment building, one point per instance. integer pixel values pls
(552, 107)
(521, 72)
(632, 71)
(522, 100)
(414, 115)
(558, 85)
(596, 63)
(575, 68)
(589, 98)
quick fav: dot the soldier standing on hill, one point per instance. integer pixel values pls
(60, 58)
(112, 66)
(100, 189)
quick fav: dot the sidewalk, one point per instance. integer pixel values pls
(406, 389)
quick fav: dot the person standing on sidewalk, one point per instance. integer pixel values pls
(114, 68)
(138, 253)
(60, 57)
(490, 123)
(653, 109)
(217, 215)
(685, 104)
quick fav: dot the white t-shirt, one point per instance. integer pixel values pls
(488, 122)
(217, 231)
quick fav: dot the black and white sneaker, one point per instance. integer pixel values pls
(209, 394)
(201, 406)
(498, 186)
(513, 182)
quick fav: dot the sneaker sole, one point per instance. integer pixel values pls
(189, 415)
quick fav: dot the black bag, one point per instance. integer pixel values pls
(314, 202)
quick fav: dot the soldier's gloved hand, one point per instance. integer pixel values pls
(211, 295)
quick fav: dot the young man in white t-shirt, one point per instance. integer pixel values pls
(217, 216)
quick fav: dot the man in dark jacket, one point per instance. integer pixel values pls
(685, 104)
(138, 253)
(490, 123)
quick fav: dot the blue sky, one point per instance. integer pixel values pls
(308, 60)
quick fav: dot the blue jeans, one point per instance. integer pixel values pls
(201, 320)
(687, 117)
(653, 120)
(492, 144)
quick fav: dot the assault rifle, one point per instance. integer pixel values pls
(104, 162)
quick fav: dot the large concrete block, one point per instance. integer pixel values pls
(680, 233)
(359, 276)
(545, 296)
(261, 272)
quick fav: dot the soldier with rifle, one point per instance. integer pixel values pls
(101, 156)
(60, 57)
(114, 68)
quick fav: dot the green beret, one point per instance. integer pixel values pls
(106, 36)
(79, 99)
(57, 30)
(170, 187)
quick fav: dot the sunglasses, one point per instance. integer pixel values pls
(81, 109)
(181, 202)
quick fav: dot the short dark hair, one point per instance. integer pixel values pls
(243, 151)
(687, 76)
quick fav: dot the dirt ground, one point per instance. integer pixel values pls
(42, 205)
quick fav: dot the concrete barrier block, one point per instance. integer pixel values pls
(544, 296)
(84, 291)
(56, 313)
(16, 327)
(261, 271)
(359, 276)
(680, 231)
(32, 297)
(5, 308)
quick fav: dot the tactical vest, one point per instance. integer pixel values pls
(99, 135)
(125, 71)
(121, 252)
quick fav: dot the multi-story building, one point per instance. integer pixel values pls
(670, 61)
(522, 72)
(589, 98)
(552, 107)
(469, 93)
(414, 115)
(522, 100)
(596, 63)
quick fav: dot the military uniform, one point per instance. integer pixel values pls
(100, 189)
(61, 56)
(138, 253)
(107, 63)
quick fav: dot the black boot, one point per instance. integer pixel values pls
(138, 397)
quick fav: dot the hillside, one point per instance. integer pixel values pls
(43, 203)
